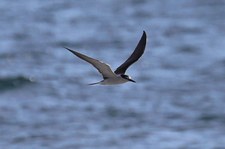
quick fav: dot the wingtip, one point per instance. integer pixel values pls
(68, 49)
(144, 33)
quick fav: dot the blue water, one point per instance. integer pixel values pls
(178, 101)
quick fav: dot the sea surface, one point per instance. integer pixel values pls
(178, 101)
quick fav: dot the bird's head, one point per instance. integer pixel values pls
(127, 78)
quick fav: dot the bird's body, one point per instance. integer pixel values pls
(113, 80)
(118, 76)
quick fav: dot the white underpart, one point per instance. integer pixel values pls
(114, 80)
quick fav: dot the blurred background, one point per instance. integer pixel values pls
(178, 101)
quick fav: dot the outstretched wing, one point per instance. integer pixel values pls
(102, 67)
(139, 50)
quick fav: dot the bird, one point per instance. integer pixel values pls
(118, 76)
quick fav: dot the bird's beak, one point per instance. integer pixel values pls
(132, 80)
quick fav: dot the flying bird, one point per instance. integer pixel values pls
(118, 76)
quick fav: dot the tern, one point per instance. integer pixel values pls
(118, 76)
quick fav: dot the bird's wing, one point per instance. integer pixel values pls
(139, 50)
(102, 67)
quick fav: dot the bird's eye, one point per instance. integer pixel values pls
(124, 76)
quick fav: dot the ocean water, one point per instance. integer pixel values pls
(178, 101)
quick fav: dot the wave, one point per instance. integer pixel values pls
(9, 83)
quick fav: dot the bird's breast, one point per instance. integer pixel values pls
(114, 80)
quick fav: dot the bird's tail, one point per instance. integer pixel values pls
(95, 83)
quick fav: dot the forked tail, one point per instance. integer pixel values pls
(95, 83)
